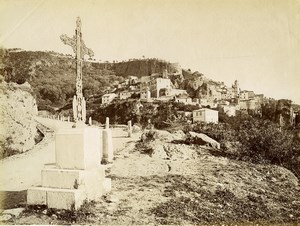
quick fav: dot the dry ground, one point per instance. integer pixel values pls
(204, 189)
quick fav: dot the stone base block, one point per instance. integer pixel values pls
(68, 199)
(70, 179)
(36, 196)
(78, 148)
(89, 180)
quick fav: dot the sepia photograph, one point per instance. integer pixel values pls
(149, 112)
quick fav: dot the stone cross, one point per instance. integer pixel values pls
(79, 48)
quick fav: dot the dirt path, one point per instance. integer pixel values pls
(22, 171)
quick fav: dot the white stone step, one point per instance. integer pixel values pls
(72, 179)
(69, 199)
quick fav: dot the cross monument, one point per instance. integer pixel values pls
(79, 48)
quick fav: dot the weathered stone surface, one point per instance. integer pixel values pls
(56, 198)
(78, 148)
(107, 143)
(179, 151)
(68, 199)
(5, 217)
(202, 139)
(72, 179)
(158, 151)
(157, 134)
(163, 135)
(17, 111)
(166, 150)
(36, 196)
(16, 212)
(178, 135)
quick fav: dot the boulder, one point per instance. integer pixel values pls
(151, 135)
(16, 212)
(179, 151)
(202, 139)
(178, 135)
(5, 217)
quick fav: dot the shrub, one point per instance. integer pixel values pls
(262, 141)
(254, 140)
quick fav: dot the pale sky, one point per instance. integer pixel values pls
(254, 41)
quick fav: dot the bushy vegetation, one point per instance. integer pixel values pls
(162, 115)
(52, 75)
(255, 140)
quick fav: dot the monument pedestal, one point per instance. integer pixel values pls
(77, 174)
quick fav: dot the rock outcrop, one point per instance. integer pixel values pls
(202, 139)
(159, 144)
(17, 125)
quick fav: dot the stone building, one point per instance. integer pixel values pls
(185, 100)
(244, 95)
(125, 95)
(145, 95)
(205, 115)
(227, 94)
(236, 88)
(158, 84)
(229, 110)
(107, 98)
(176, 92)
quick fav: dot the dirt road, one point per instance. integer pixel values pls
(22, 171)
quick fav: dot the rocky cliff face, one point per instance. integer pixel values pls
(17, 125)
(141, 68)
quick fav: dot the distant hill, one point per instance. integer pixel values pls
(52, 75)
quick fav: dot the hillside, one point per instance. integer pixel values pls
(52, 75)
(179, 184)
(17, 111)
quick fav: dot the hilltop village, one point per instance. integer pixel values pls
(146, 80)
(213, 95)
